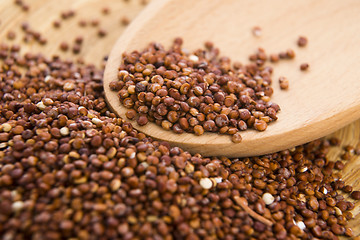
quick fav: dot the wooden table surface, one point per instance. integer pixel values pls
(43, 13)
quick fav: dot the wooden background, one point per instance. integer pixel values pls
(42, 13)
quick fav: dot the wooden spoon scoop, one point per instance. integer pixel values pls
(319, 101)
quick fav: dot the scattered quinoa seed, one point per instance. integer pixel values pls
(125, 21)
(64, 46)
(290, 53)
(304, 66)
(302, 41)
(274, 58)
(257, 31)
(355, 195)
(82, 23)
(102, 32)
(284, 83)
(79, 40)
(94, 22)
(56, 24)
(76, 48)
(11, 35)
(105, 11)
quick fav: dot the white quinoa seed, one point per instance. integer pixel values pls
(218, 179)
(69, 86)
(41, 105)
(3, 145)
(189, 168)
(338, 211)
(206, 183)
(301, 225)
(268, 198)
(77, 75)
(194, 58)
(17, 206)
(257, 31)
(64, 131)
(96, 120)
(6, 127)
(47, 78)
(145, 164)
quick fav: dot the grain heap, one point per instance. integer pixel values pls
(70, 168)
(198, 92)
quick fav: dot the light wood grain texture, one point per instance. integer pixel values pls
(45, 11)
(319, 101)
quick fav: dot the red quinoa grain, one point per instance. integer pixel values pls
(302, 41)
(102, 32)
(304, 66)
(64, 46)
(94, 22)
(56, 24)
(290, 53)
(82, 23)
(355, 195)
(125, 21)
(76, 48)
(105, 11)
(11, 35)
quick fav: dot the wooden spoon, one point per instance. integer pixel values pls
(318, 102)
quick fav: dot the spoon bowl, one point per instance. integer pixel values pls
(319, 101)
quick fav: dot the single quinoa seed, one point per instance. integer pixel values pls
(57, 24)
(79, 40)
(125, 21)
(304, 66)
(102, 32)
(236, 138)
(355, 195)
(82, 23)
(76, 48)
(290, 53)
(206, 183)
(274, 58)
(94, 22)
(302, 41)
(11, 35)
(105, 11)
(64, 46)
(256, 31)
